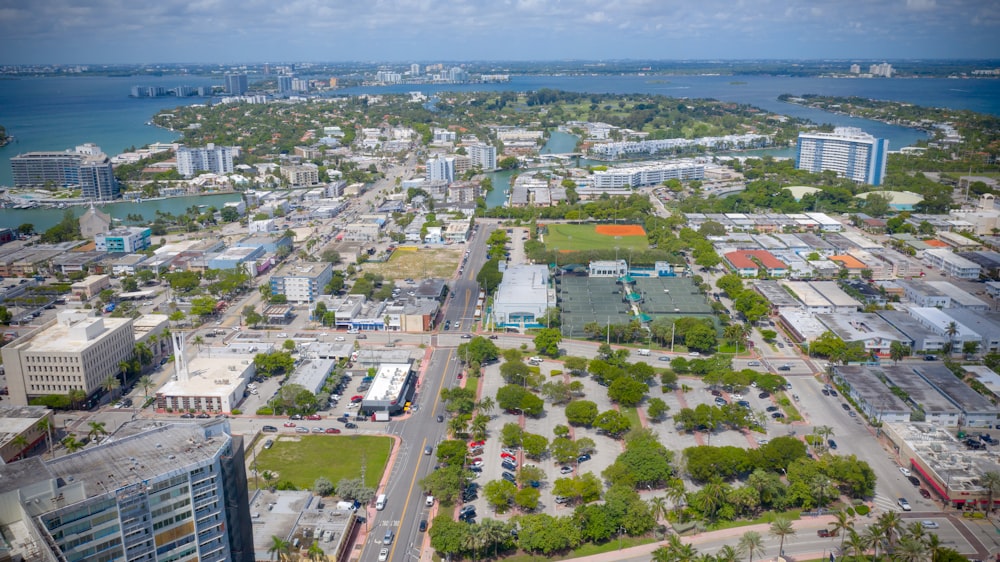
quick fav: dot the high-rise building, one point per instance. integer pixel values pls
(483, 155)
(236, 84)
(849, 151)
(414, 69)
(215, 159)
(85, 168)
(285, 83)
(441, 169)
(152, 492)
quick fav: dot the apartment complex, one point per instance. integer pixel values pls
(210, 158)
(126, 239)
(85, 168)
(441, 169)
(302, 282)
(482, 155)
(73, 352)
(648, 174)
(848, 151)
(153, 492)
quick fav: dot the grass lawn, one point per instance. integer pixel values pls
(574, 237)
(303, 459)
(791, 515)
(404, 264)
(633, 416)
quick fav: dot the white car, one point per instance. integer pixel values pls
(904, 470)
(694, 354)
(282, 335)
(905, 505)
(928, 524)
(383, 555)
(737, 396)
(339, 338)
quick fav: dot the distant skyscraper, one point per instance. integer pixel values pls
(86, 168)
(855, 69)
(285, 84)
(236, 84)
(215, 159)
(414, 69)
(849, 151)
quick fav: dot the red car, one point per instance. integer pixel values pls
(460, 376)
(508, 456)
(476, 443)
(356, 398)
(314, 417)
(332, 430)
(289, 424)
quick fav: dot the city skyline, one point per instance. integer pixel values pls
(106, 31)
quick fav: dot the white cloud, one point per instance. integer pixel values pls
(921, 5)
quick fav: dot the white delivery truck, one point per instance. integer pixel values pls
(644, 352)
(380, 502)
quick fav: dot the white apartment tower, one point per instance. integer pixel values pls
(849, 151)
(211, 158)
(441, 169)
(483, 155)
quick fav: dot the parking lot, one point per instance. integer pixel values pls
(607, 449)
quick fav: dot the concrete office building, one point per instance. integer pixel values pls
(391, 388)
(211, 158)
(126, 239)
(74, 352)
(152, 492)
(22, 427)
(85, 168)
(302, 282)
(849, 151)
(236, 84)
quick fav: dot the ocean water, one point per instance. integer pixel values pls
(60, 113)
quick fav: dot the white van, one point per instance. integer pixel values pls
(380, 502)
(429, 501)
(644, 352)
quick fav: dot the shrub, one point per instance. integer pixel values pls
(237, 411)
(850, 511)
(862, 509)
(265, 411)
(556, 372)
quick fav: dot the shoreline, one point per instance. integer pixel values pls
(14, 202)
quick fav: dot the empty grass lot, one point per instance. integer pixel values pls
(419, 264)
(581, 237)
(302, 459)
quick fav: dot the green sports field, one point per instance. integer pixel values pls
(580, 237)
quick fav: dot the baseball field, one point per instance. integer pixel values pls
(579, 237)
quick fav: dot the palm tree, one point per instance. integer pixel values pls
(892, 525)
(315, 552)
(751, 543)
(713, 496)
(842, 524)
(45, 425)
(898, 351)
(871, 538)
(781, 528)
(111, 384)
(279, 547)
(473, 540)
(856, 545)
(20, 443)
(198, 340)
(71, 443)
(951, 330)
(145, 382)
(658, 508)
(486, 405)
(96, 430)
(934, 546)
(727, 554)
(676, 493)
(823, 489)
(479, 425)
(494, 532)
(911, 550)
(990, 481)
(76, 396)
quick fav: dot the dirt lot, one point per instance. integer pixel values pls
(419, 263)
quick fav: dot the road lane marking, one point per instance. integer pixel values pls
(406, 504)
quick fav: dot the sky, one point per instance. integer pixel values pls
(228, 31)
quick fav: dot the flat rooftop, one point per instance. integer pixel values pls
(807, 294)
(919, 390)
(872, 390)
(14, 420)
(859, 326)
(211, 376)
(951, 386)
(312, 374)
(388, 382)
(63, 338)
(137, 457)
(833, 293)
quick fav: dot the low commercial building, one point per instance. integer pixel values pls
(748, 263)
(942, 324)
(870, 330)
(607, 268)
(126, 239)
(214, 381)
(936, 407)
(523, 296)
(393, 385)
(311, 374)
(873, 398)
(232, 258)
(952, 264)
(74, 352)
(89, 287)
(985, 324)
(21, 428)
(776, 295)
(977, 411)
(919, 337)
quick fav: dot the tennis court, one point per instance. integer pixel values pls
(588, 299)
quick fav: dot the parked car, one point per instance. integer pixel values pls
(289, 424)
(903, 504)
(914, 480)
(565, 470)
(928, 524)
(301, 430)
(269, 443)
(350, 425)
(583, 458)
(314, 417)
(832, 444)
(333, 430)
(269, 429)
(904, 470)
(925, 494)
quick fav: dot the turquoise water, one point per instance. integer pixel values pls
(44, 219)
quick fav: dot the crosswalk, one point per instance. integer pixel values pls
(883, 504)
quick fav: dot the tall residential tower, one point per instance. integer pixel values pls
(850, 152)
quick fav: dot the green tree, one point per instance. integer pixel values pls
(279, 549)
(627, 392)
(782, 528)
(499, 494)
(613, 422)
(990, 481)
(96, 431)
(898, 351)
(657, 409)
(751, 543)
(547, 341)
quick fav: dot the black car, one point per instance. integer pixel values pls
(833, 392)
(423, 525)
(764, 395)
(350, 425)
(476, 469)
(508, 476)
(914, 480)
(269, 429)
(832, 444)
(583, 458)
(440, 418)
(845, 406)
(203, 416)
(772, 408)
(187, 416)
(778, 415)
(342, 419)
(508, 465)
